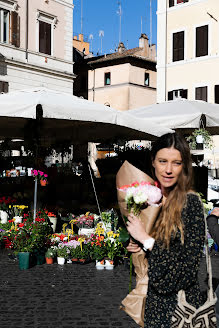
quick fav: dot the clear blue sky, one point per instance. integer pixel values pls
(102, 15)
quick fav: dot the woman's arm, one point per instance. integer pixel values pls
(176, 268)
(213, 226)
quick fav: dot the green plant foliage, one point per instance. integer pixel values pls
(208, 141)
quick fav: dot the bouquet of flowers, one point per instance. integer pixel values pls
(148, 211)
(139, 195)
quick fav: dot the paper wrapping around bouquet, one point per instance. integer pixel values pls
(134, 303)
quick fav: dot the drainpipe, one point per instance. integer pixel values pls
(166, 55)
(27, 25)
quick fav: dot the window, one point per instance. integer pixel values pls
(201, 93)
(178, 46)
(46, 25)
(4, 25)
(216, 94)
(176, 2)
(180, 93)
(9, 23)
(146, 79)
(107, 80)
(3, 87)
(44, 38)
(202, 41)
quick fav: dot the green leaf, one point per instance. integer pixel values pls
(123, 235)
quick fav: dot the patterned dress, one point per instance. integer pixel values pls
(175, 269)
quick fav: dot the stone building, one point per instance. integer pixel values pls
(36, 44)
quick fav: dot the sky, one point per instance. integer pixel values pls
(102, 15)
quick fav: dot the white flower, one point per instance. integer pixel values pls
(140, 197)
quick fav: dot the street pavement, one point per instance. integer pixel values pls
(55, 296)
(69, 296)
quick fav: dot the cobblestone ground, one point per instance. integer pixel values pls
(69, 296)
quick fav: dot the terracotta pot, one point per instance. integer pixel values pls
(49, 260)
(43, 183)
(82, 260)
(74, 260)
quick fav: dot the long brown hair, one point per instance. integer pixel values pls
(169, 220)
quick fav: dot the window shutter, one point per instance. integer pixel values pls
(201, 93)
(216, 94)
(3, 87)
(44, 38)
(170, 95)
(171, 3)
(202, 41)
(184, 93)
(178, 46)
(15, 37)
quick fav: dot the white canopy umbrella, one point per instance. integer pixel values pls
(54, 116)
(181, 114)
(67, 117)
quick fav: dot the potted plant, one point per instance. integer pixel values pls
(41, 176)
(98, 250)
(200, 137)
(49, 255)
(113, 249)
(84, 253)
(22, 244)
(62, 252)
(75, 249)
(5, 203)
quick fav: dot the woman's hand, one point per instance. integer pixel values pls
(136, 228)
(133, 247)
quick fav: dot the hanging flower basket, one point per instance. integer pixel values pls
(43, 183)
(200, 139)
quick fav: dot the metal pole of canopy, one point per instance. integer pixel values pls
(104, 227)
(35, 200)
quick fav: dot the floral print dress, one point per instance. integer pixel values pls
(175, 269)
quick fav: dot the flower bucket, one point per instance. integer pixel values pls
(4, 217)
(43, 183)
(109, 264)
(24, 260)
(49, 260)
(18, 219)
(61, 260)
(39, 257)
(100, 265)
(53, 220)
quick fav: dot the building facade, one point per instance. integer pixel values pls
(36, 44)
(126, 79)
(188, 50)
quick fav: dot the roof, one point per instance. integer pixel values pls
(134, 53)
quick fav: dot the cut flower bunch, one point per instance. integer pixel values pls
(140, 195)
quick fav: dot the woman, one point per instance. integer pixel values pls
(176, 242)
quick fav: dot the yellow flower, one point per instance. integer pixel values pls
(87, 214)
(110, 234)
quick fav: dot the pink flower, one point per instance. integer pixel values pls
(35, 172)
(46, 175)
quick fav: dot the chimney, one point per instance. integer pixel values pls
(143, 43)
(81, 37)
(121, 47)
